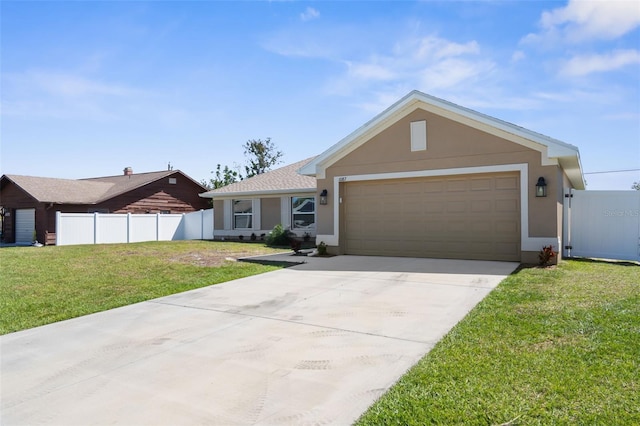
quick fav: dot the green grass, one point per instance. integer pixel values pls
(547, 346)
(43, 285)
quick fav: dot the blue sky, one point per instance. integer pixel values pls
(89, 88)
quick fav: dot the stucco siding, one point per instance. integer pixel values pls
(270, 212)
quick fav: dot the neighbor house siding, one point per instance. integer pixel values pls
(158, 196)
(154, 197)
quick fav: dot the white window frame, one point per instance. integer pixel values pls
(235, 215)
(419, 135)
(293, 222)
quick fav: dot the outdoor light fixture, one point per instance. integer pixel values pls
(541, 187)
(323, 196)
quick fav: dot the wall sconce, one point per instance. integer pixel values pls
(323, 196)
(541, 187)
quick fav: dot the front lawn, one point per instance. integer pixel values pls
(47, 284)
(547, 346)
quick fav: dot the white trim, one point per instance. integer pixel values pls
(418, 135)
(285, 212)
(227, 207)
(257, 216)
(527, 243)
(262, 194)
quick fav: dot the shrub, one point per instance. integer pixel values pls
(296, 245)
(546, 254)
(279, 236)
(322, 249)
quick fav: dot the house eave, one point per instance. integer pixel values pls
(257, 194)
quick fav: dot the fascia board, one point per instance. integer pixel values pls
(254, 194)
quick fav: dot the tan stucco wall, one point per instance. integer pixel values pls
(218, 215)
(449, 145)
(270, 212)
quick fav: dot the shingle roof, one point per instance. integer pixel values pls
(283, 180)
(83, 191)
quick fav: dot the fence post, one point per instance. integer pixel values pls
(58, 228)
(128, 227)
(201, 224)
(95, 228)
(157, 226)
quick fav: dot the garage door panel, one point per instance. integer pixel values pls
(481, 184)
(507, 183)
(25, 224)
(507, 206)
(481, 206)
(467, 217)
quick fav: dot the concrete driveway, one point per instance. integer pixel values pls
(315, 344)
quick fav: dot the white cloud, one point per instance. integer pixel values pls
(309, 14)
(47, 93)
(517, 56)
(370, 71)
(586, 64)
(428, 62)
(583, 20)
(69, 85)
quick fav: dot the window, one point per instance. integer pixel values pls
(418, 135)
(242, 214)
(303, 212)
(173, 181)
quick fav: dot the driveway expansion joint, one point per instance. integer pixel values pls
(289, 321)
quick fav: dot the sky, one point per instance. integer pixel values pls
(88, 88)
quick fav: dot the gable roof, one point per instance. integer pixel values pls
(285, 180)
(85, 191)
(552, 150)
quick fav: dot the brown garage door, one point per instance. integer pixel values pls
(457, 217)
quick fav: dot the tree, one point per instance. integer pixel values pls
(223, 177)
(636, 185)
(261, 156)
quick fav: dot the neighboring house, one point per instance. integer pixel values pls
(30, 203)
(427, 178)
(256, 205)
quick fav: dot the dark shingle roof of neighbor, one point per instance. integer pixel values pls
(283, 180)
(84, 191)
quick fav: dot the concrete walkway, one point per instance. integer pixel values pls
(312, 344)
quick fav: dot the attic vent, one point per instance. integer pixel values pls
(172, 181)
(418, 135)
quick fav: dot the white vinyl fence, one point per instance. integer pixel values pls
(602, 224)
(98, 228)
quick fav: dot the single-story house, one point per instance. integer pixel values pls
(255, 205)
(29, 204)
(427, 178)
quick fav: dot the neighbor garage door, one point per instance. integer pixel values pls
(458, 217)
(25, 225)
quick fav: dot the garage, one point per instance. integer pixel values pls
(457, 217)
(25, 225)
